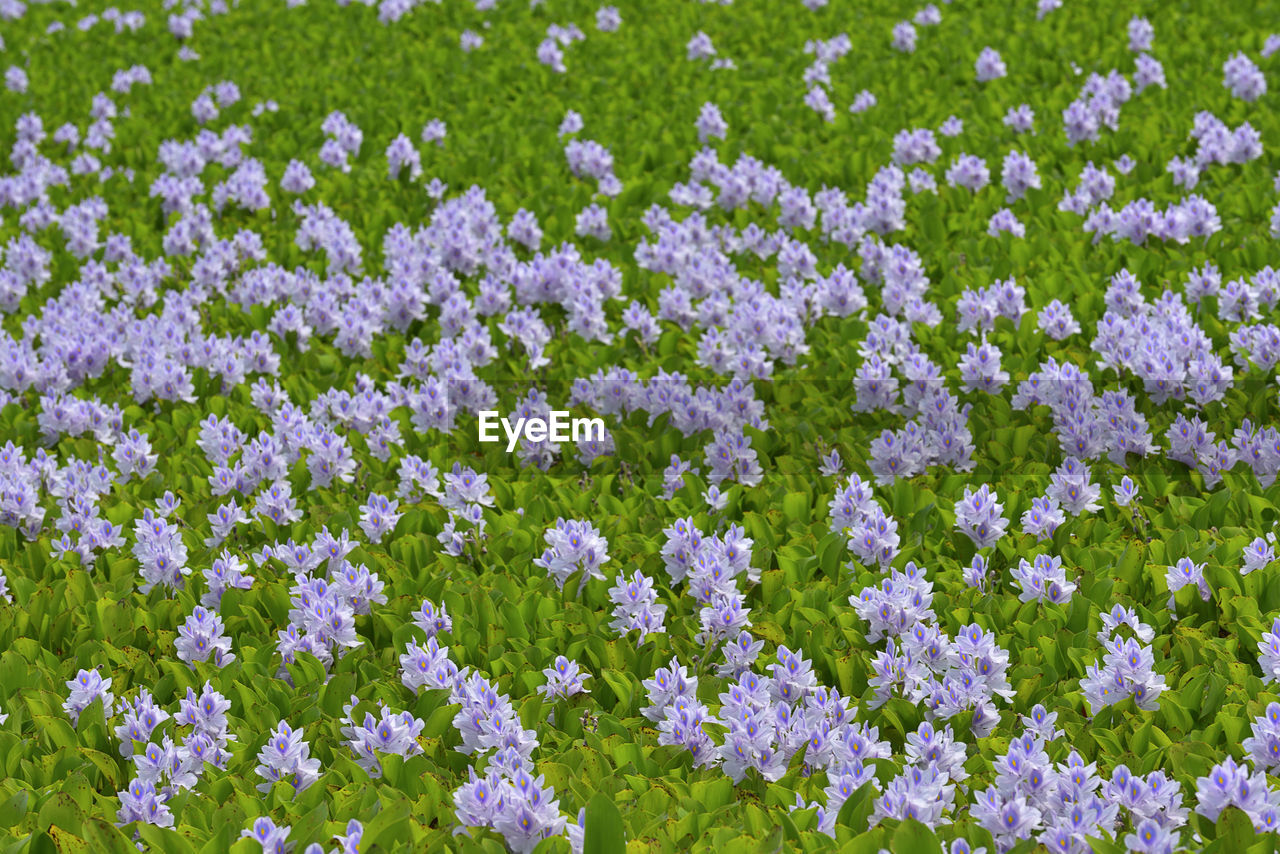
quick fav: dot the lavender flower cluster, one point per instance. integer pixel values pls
(258, 413)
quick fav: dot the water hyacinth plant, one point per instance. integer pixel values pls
(933, 354)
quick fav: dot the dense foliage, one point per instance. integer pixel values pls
(933, 348)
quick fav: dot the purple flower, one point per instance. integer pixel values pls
(863, 101)
(1126, 491)
(921, 793)
(1056, 321)
(1141, 34)
(831, 464)
(434, 131)
(133, 456)
(401, 155)
(819, 101)
(1042, 722)
(529, 812)
(524, 229)
(427, 666)
(593, 221)
(928, 16)
(904, 37)
(1020, 119)
(432, 619)
(1232, 785)
(140, 718)
(1258, 554)
(1269, 653)
(564, 680)
(989, 65)
(740, 654)
(15, 79)
(273, 839)
(1005, 221)
(850, 504)
(1127, 670)
(1071, 487)
(980, 368)
(901, 601)
(573, 546)
(142, 802)
(874, 538)
(570, 124)
(223, 522)
(674, 706)
(875, 386)
(975, 574)
(348, 843)
(85, 688)
(1183, 573)
(710, 123)
(201, 636)
(1244, 79)
(390, 733)
(921, 181)
(378, 516)
(636, 606)
(1150, 837)
(700, 47)
(1007, 816)
(463, 488)
(513, 803)
(716, 500)
(476, 802)
(1122, 616)
(1044, 580)
(918, 145)
(978, 516)
(1018, 174)
(968, 171)
(1263, 743)
(286, 757)
(608, 19)
(730, 456)
(668, 685)
(1149, 73)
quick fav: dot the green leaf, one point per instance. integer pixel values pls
(1232, 832)
(1107, 846)
(603, 834)
(389, 827)
(795, 507)
(621, 689)
(62, 811)
(164, 839)
(912, 837)
(12, 810)
(106, 838)
(855, 813)
(1266, 846)
(552, 845)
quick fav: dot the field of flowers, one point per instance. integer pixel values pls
(932, 350)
